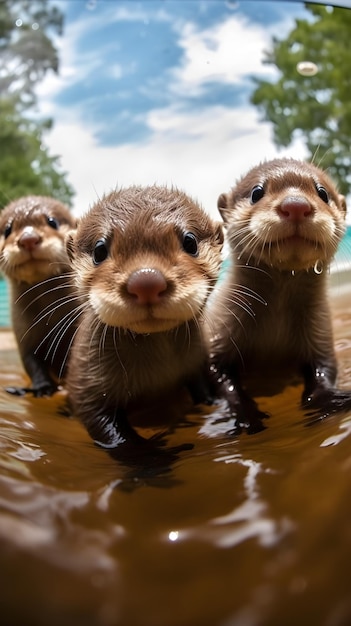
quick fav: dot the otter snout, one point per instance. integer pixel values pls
(295, 208)
(29, 238)
(146, 285)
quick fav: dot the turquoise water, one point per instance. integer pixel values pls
(345, 245)
(342, 261)
(4, 304)
(343, 255)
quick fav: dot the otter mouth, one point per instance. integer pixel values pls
(296, 240)
(31, 258)
(153, 325)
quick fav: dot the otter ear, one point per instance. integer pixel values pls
(70, 244)
(342, 201)
(222, 204)
(219, 234)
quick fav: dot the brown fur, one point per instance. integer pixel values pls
(38, 281)
(126, 353)
(272, 309)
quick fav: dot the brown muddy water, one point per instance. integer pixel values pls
(246, 531)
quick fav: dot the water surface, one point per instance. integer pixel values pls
(246, 531)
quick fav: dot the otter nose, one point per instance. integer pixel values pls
(147, 285)
(295, 208)
(29, 238)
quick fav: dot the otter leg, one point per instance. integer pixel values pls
(320, 395)
(243, 409)
(112, 429)
(42, 383)
(201, 389)
(113, 432)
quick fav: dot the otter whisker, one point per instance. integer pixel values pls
(44, 294)
(47, 314)
(117, 351)
(102, 340)
(70, 344)
(58, 325)
(45, 282)
(64, 324)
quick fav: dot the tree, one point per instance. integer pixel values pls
(26, 50)
(318, 107)
(27, 53)
(25, 165)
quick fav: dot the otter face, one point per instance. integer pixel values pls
(32, 239)
(146, 259)
(285, 214)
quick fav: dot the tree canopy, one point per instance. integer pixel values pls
(27, 53)
(316, 108)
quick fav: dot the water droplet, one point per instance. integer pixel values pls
(292, 272)
(307, 68)
(318, 267)
(19, 22)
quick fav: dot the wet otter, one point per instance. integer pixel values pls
(34, 260)
(284, 222)
(145, 261)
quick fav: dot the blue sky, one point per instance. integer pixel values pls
(158, 91)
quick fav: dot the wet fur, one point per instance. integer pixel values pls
(282, 318)
(40, 291)
(124, 354)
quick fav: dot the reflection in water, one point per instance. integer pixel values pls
(244, 531)
(249, 520)
(345, 428)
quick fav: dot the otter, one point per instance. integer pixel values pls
(145, 260)
(34, 260)
(284, 220)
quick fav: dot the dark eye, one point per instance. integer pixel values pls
(100, 252)
(53, 223)
(323, 194)
(8, 230)
(256, 194)
(190, 244)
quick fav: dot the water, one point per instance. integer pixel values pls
(4, 303)
(245, 531)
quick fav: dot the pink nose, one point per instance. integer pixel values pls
(29, 238)
(295, 208)
(147, 285)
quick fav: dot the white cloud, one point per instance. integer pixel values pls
(202, 153)
(226, 52)
(203, 150)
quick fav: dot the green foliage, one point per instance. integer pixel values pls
(27, 53)
(316, 108)
(25, 165)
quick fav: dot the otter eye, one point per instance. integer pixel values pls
(8, 230)
(100, 252)
(323, 194)
(190, 244)
(53, 223)
(256, 194)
